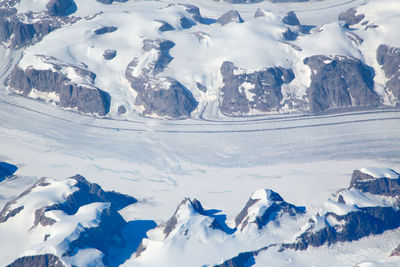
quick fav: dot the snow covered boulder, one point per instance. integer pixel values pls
(340, 81)
(66, 85)
(252, 93)
(158, 95)
(230, 16)
(389, 58)
(264, 206)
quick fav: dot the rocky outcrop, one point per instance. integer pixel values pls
(389, 58)
(158, 95)
(61, 7)
(79, 94)
(351, 226)
(291, 19)
(230, 16)
(378, 186)
(247, 93)
(350, 17)
(338, 82)
(45, 260)
(105, 29)
(109, 54)
(19, 30)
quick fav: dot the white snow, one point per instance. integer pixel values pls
(380, 173)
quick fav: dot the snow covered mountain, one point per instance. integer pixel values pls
(177, 60)
(227, 102)
(75, 222)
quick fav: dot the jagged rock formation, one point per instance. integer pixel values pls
(340, 81)
(55, 83)
(157, 94)
(19, 30)
(252, 92)
(45, 260)
(230, 16)
(389, 58)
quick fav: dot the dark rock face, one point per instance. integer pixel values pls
(291, 19)
(6, 169)
(354, 225)
(270, 213)
(340, 82)
(377, 186)
(162, 96)
(230, 16)
(350, 17)
(109, 54)
(263, 87)
(389, 58)
(105, 29)
(46, 260)
(61, 7)
(85, 98)
(19, 30)
(20, 34)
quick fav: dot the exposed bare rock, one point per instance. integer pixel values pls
(340, 81)
(258, 91)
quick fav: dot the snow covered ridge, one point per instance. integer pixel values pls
(370, 206)
(280, 65)
(75, 222)
(70, 218)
